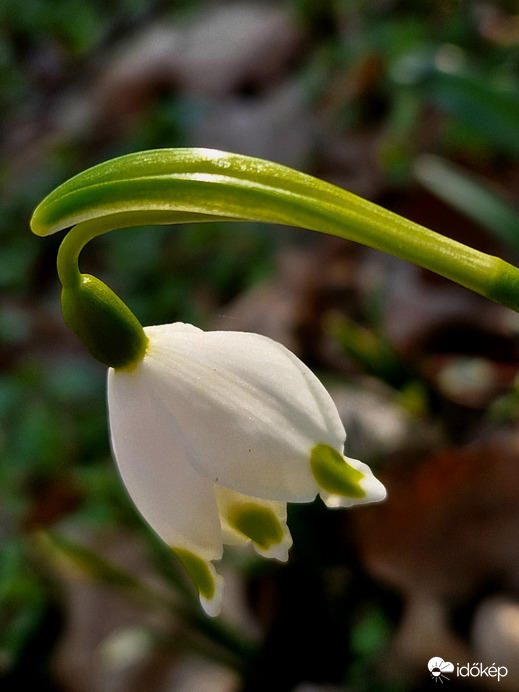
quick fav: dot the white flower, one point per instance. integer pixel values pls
(214, 432)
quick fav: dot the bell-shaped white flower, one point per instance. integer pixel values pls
(214, 432)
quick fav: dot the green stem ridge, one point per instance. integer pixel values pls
(168, 186)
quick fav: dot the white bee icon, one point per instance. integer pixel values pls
(437, 667)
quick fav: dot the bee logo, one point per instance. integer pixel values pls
(438, 667)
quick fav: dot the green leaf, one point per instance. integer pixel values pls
(471, 196)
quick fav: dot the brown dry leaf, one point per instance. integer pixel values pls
(452, 525)
(222, 50)
(447, 537)
(312, 278)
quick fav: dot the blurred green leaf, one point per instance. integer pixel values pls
(370, 635)
(471, 95)
(370, 350)
(487, 109)
(28, 620)
(472, 196)
(223, 643)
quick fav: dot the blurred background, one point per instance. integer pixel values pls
(412, 105)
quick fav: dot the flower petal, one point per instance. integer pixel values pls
(177, 502)
(204, 576)
(344, 482)
(249, 411)
(262, 522)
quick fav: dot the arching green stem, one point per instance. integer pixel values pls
(169, 186)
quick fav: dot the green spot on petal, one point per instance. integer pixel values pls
(258, 523)
(198, 572)
(333, 473)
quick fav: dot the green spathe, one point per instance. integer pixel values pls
(333, 473)
(169, 186)
(260, 524)
(100, 319)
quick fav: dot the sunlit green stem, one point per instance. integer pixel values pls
(179, 185)
(98, 317)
